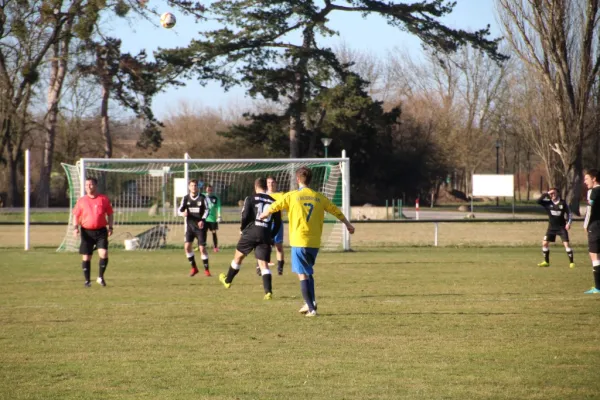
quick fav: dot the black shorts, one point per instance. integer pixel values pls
(191, 234)
(593, 231)
(92, 239)
(551, 234)
(262, 250)
(212, 226)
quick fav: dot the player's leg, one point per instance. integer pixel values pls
(280, 259)
(594, 250)
(546, 249)
(102, 246)
(303, 260)
(263, 256)
(564, 236)
(215, 228)
(201, 235)
(188, 247)
(86, 249)
(234, 268)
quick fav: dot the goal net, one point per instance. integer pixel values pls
(146, 193)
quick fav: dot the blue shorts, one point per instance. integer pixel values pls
(278, 239)
(303, 260)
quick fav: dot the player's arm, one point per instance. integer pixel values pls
(247, 217)
(206, 208)
(274, 207)
(568, 215)
(218, 205)
(183, 207)
(76, 217)
(543, 198)
(336, 212)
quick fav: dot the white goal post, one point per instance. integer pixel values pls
(145, 193)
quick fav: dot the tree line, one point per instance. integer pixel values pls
(412, 127)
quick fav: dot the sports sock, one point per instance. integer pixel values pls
(191, 259)
(102, 264)
(267, 280)
(570, 254)
(205, 261)
(85, 266)
(311, 286)
(232, 272)
(596, 269)
(546, 252)
(280, 266)
(215, 240)
(305, 290)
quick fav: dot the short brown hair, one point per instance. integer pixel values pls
(261, 183)
(304, 175)
(593, 172)
(93, 180)
(555, 189)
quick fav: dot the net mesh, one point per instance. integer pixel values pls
(145, 196)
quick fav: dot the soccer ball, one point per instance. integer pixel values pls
(167, 20)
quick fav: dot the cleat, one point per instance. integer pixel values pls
(207, 273)
(222, 278)
(216, 249)
(101, 281)
(572, 265)
(543, 264)
(304, 309)
(87, 284)
(279, 271)
(193, 271)
(268, 296)
(312, 313)
(593, 291)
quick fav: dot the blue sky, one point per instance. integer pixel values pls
(369, 35)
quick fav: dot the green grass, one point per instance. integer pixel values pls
(403, 323)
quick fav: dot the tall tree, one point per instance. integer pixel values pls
(256, 48)
(558, 42)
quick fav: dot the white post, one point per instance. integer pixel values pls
(346, 199)
(82, 177)
(186, 169)
(435, 238)
(417, 209)
(27, 196)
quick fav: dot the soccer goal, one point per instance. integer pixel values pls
(145, 194)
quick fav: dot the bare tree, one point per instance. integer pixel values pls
(558, 41)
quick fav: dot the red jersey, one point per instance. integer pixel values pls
(91, 213)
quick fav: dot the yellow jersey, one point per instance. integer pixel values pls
(306, 214)
(276, 195)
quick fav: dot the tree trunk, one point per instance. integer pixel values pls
(104, 123)
(12, 195)
(58, 72)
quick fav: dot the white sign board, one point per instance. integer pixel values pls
(493, 185)
(180, 187)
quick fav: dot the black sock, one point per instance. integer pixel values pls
(570, 254)
(546, 255)
(280, 266)
(205, 262)
(596, 270)
(304, 289)
(215, 240)
(231, 273)
(102, 264)
(192, 261)
(267, 283)
(85, 266)
(311, 286)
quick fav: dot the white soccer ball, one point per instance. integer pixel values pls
(167, 20)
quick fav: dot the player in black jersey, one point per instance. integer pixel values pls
(592, 224)
(194, 208)
(257, 235)
(559, 223)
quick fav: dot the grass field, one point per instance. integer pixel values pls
(395, 323)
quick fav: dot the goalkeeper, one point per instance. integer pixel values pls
(214, 215)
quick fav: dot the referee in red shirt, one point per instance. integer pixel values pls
(94, 213)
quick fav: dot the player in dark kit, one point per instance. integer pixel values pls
(592, 224)
(257, 235)
(559, 223)
(194, 208)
